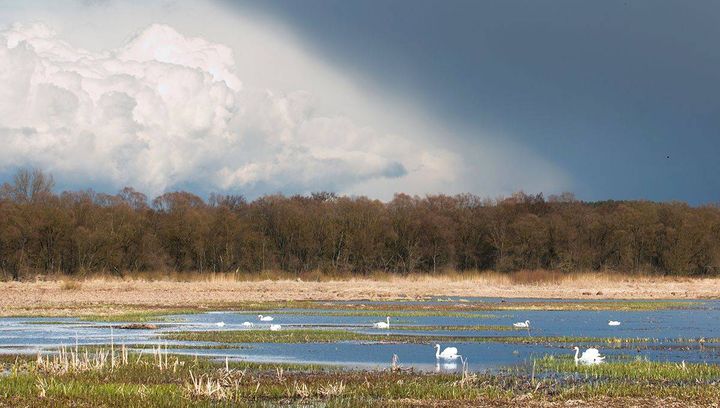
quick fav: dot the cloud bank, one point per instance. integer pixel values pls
(208, 97)
(168, 111)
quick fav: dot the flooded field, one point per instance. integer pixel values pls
(343, 333)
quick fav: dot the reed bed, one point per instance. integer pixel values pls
(101, 359)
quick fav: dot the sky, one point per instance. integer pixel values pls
(609, 100)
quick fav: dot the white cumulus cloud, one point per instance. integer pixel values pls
(166, 111)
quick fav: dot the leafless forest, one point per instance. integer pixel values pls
(80, 232)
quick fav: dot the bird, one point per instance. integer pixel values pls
(613, 323)
(589, 356)
(220, 324)
(248, 324)
(265, 318)
(383, 325)
(275, 327)
(450, 353)
(525, 324)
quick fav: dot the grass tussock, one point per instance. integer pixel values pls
(70, 284)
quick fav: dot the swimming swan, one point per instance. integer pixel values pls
(613, 323)
(265, 318)
(382, 325)
(450, 353)
(525, 324)
(275, 327)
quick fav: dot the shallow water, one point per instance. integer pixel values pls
(30, 335)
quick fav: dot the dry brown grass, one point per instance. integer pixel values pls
(314, 275)
(111, 296)
(523, 277)
(69, 284)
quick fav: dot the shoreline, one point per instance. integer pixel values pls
(104, 295)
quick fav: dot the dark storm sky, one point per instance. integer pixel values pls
(606, 90)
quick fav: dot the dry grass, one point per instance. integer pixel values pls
(314, 275)
(69, 284)
(113, 296)
(74, 360)
(522, 277)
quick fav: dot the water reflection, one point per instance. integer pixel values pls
(451, 366)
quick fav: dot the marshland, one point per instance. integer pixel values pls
(331, 353)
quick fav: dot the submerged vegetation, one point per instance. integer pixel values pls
(115, 377)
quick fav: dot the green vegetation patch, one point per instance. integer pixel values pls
(637, 369)
(284, 336)
(330, 336)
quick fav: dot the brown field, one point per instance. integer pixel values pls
(114, 296)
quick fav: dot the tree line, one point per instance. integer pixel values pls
(77, 232)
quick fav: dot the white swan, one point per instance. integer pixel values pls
(382, 325)
(613, 323)
(248, 324)
(589, 356)
(220, 324)
(275, 327)
(265, 318)
(450, 353)
(525, 324)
